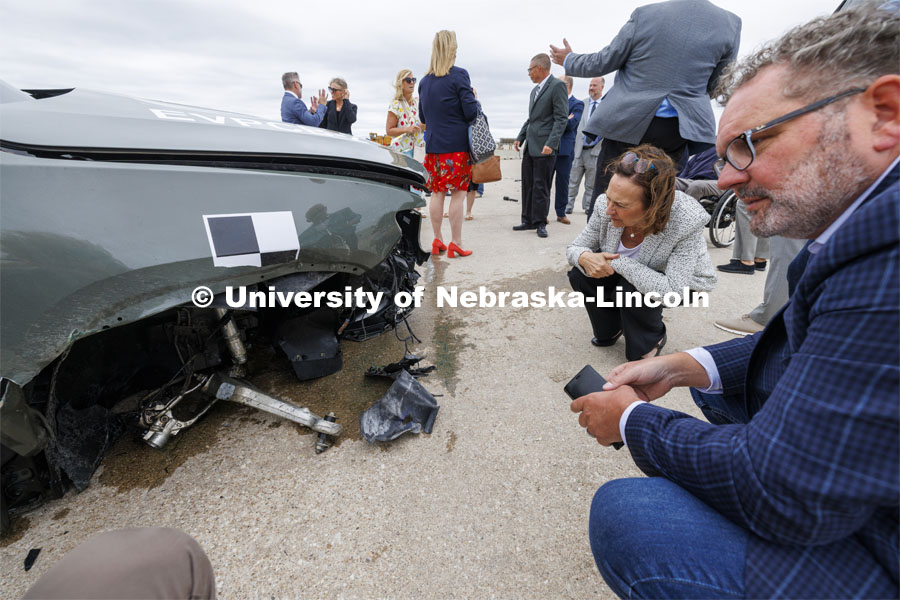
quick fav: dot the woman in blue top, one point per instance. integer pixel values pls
(447, 106)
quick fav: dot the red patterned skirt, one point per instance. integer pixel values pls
(450, 171)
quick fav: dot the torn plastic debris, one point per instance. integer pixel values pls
(406, 364)
(407, 407)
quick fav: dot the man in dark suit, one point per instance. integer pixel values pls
(293, 109)
(548, 112)
(793, 487)
(667, 58)
(563, 166)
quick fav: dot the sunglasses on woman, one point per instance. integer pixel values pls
(409, 80)
(333, 90)
(632, 162)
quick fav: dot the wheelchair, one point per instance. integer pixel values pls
(723, 213)
(697, 179)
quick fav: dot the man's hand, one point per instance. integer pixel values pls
(558, 55)
(596, 264)
(546, 150)
(652, 378)
(571, 115)
(601, 412)
(648, 378)
(313, 105)
(322, 97)
(516, 145)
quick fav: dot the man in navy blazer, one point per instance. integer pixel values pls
(793, 487)
(293, 109)
(563, 167)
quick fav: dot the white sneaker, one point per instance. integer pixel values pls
(743, 326)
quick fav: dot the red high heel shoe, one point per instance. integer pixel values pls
(437, 246)
(453, 250)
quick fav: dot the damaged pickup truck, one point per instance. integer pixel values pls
(124, 222)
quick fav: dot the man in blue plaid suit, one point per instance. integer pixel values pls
(793, 487)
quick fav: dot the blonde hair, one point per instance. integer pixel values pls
(443, 53)
(398, 82)
(338, 81)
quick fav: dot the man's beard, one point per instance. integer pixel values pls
(824, 183)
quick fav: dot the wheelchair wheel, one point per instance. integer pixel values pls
(723, 223)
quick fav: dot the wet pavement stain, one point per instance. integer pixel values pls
(60, 514)
(132, 464)
(17, 528)
(451, 442)
(447, 337)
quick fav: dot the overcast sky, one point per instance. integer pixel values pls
(230, 54)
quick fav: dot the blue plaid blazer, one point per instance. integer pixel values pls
(814, 475)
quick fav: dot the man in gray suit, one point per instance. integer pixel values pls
(667, 58)
(586, 151)
(548, 112)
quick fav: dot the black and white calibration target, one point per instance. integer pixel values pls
(252, 239)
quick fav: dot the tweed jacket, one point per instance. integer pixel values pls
(668, 261)
(814, 475)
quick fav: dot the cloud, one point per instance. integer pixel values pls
(230, 54)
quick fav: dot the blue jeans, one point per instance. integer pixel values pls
(651, 538)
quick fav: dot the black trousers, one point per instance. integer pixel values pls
(642, 326)
(663, 133)
(537, 174)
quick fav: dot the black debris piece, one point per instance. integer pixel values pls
(310, 344)
(31, 557)
(82, 438)
(407, 364)
(406, 408)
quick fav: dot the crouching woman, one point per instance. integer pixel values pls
(644, 236)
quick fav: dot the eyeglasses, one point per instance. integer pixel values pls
(632, 162)
(740, 153)
(333, 90)
(409, 80)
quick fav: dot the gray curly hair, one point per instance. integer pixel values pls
(850, 48)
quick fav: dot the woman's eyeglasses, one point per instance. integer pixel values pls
(632, 162)
(409, 80)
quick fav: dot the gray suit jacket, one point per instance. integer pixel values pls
(675, 50)
(579, 138)
(547, 117)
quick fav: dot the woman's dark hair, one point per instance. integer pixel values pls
(654, 172)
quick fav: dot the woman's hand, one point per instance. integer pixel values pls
(596, 264)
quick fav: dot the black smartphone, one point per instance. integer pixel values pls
(585, 382)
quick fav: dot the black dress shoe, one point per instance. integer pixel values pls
(523, 227)
(542, 230)
(606, 342)
(737, 267)
(760, 265)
